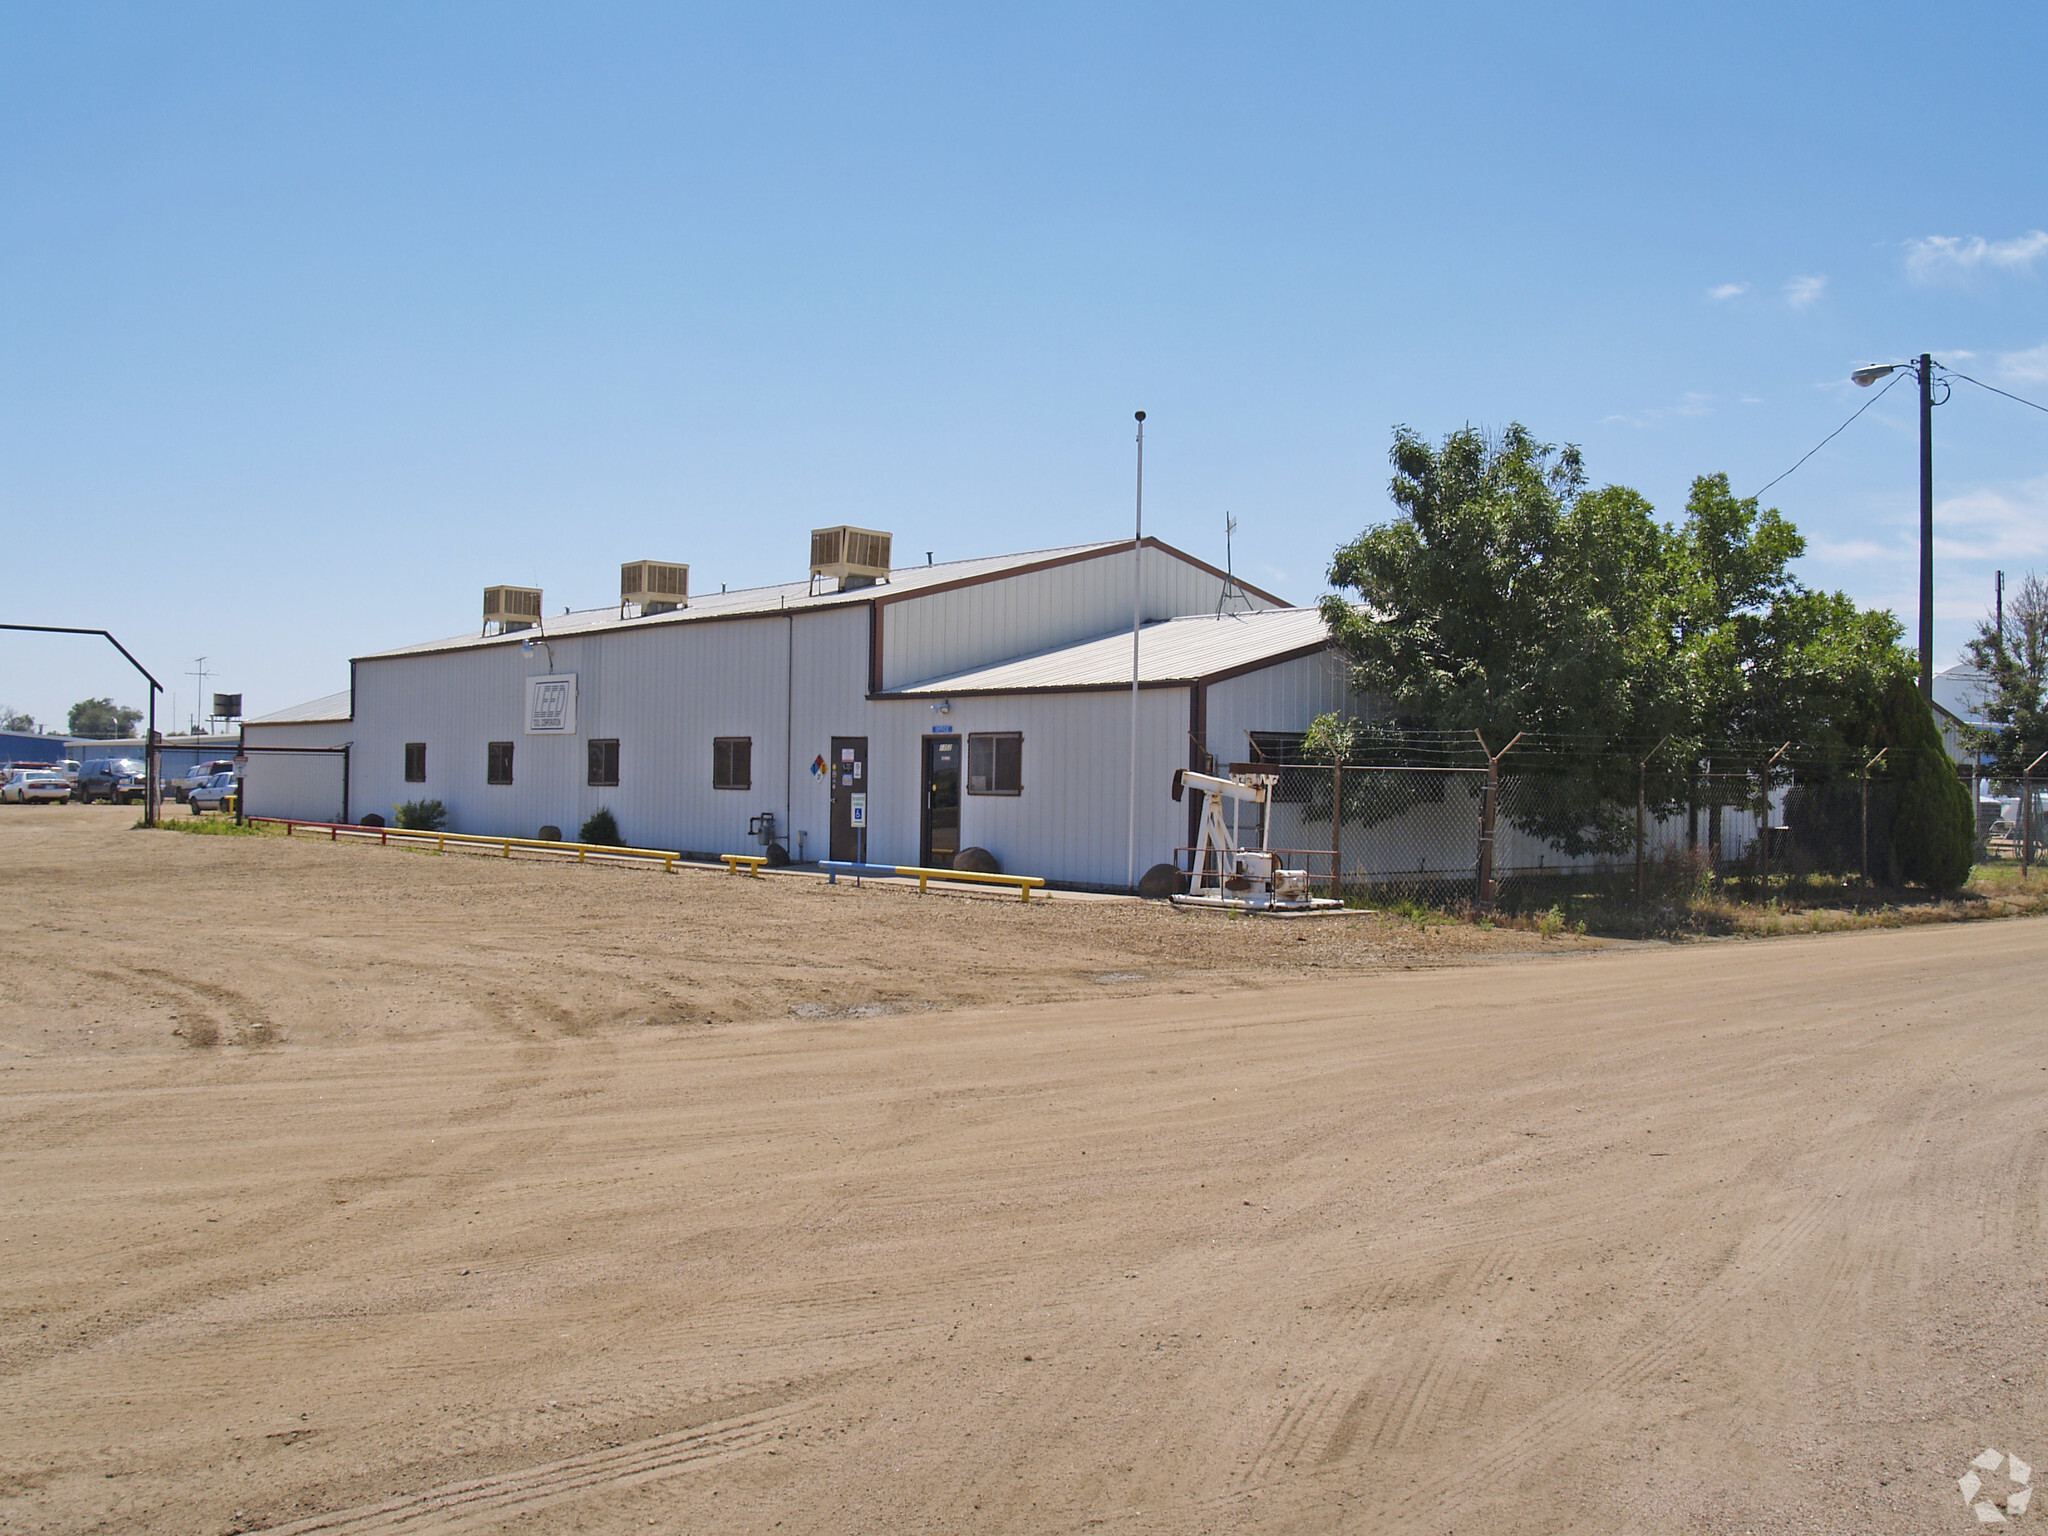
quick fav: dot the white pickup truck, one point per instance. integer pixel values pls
(183, 785)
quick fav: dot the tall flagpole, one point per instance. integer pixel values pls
(1137, 612)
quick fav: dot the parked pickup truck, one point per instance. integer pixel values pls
(183, 784)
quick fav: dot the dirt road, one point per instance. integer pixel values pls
(489, 1197)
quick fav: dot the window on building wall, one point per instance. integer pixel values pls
(604, 762)
(499, 769)
(732, 762)
(415, 762)
(995, 763)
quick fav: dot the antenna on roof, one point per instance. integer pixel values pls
(1230, 586)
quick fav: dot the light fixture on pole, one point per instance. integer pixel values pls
(1923, 367)
(1137, 611)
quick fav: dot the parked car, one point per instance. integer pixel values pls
(69, 768)
(209, 792)
(181, 785)
(39, 786)
(119, 779)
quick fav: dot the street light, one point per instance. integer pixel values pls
(1923, 366)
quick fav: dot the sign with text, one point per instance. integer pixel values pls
(551, 705)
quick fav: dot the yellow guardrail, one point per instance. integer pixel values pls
(834, 868)
(441, 840)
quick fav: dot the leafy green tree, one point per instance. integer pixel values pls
(103, 719)
(1761, 660)
(2014, 656)
(12, 719)
(1932, 833)
(1509, 597)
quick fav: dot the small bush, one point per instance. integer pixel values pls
(421, 815)
(601, 830)
(1551, 923)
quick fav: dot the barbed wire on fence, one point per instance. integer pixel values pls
(1413, 831)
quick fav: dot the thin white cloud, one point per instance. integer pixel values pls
(1948, 258)
(1848, 551)
(2006, 523)
(1690, 403)
(1805, 292)
(2028, 367)
(1723, 292)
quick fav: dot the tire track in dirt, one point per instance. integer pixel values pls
(467, 1506)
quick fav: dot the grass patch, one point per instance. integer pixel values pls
(1684, 899)
(215, 826)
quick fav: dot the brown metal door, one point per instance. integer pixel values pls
(849, 798)
(941, 802)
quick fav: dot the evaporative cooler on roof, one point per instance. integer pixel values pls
(854, 557)
(511, 608)
(654, 586)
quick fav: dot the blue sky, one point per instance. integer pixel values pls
(314, 320)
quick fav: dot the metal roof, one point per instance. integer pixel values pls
(794, 596)
(1170, 651)
(335, 706)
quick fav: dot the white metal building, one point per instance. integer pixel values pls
(976, 703)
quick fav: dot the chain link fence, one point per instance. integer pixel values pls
(1452, 837)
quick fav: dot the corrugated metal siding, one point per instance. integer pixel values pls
(294, 784)
(1285, 697)
(947, 632)
(1070, 823)
(663, 694)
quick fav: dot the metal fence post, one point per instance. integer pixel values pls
(1866, 809)
(2027, 813)
(1337, 830)
(1642, 807)
(1487, 808)
(1763, 825)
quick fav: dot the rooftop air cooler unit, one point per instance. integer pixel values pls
(511, 608)
(854, 557)
(654, 586)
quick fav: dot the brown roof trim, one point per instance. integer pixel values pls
(880, 598)
(1266, 661)
(1094, 552)
(486, 642)
(1236, 581)
(897, 696)
(1201, 680)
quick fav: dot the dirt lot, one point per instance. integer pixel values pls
(353, 1190)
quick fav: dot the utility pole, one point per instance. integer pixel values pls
(1926, 371)
(1137, 614)
(1923, 367)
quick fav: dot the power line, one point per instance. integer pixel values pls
(1816, 448)
(1993, 388)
